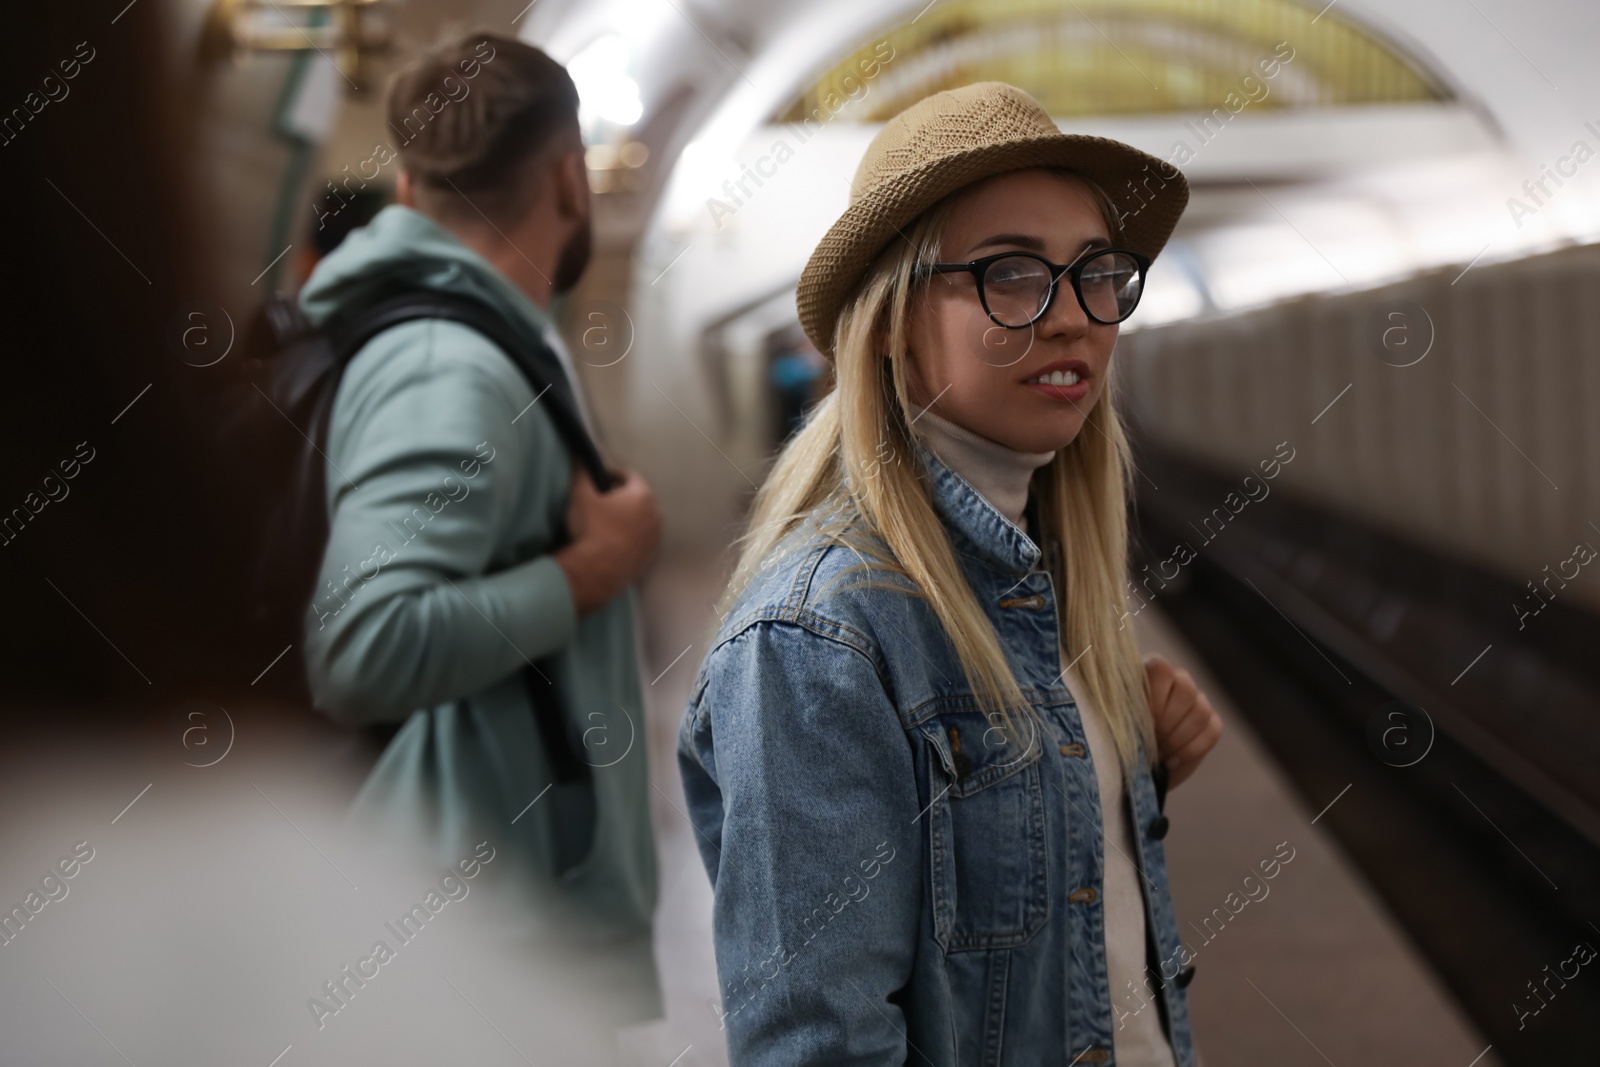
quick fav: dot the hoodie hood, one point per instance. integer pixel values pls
(405, 247)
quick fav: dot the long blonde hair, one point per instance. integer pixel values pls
(844, 467)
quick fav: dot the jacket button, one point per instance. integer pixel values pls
(1072, 750)
(1083, 896)
(1158, 828)
(1185, 976)
(1092, 1055)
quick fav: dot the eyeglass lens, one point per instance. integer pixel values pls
(1016, 287)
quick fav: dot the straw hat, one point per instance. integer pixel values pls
(953, 139)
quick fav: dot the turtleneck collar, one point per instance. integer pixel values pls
(999, 473)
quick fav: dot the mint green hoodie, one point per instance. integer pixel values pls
(447, 487)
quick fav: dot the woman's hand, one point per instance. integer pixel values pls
(1187, 726)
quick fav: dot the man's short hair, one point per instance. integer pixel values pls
(471, 113)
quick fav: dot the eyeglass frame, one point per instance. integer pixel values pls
(1073, 270)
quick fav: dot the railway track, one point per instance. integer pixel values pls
(1471, 747)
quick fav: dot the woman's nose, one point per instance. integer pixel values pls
(1063, 315)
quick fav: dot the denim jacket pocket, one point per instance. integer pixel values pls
(986, 834)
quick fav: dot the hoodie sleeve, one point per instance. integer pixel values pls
(431, 448)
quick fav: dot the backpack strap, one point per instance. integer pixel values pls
(549, 388)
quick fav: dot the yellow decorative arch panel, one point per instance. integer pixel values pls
(1120, 57)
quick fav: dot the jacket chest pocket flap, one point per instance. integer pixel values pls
(986, 834)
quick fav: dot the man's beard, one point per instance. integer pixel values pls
(574, 259)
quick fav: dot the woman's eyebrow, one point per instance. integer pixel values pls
(1021, 240)
(1031, 242)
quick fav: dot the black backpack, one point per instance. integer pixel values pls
(297, 369)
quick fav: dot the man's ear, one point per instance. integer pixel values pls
(572, 185)
(404, 191)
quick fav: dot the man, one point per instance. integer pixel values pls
(469, 572)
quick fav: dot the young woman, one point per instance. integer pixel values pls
(923, 757)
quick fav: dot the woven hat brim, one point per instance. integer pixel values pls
(844, 254)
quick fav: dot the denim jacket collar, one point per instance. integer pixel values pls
(978, 527)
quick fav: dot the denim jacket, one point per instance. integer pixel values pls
(896, 881)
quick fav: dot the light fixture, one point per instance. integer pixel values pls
(348, 32)
(606, 91)
(615, 168)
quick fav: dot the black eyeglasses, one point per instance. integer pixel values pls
(1017, 288)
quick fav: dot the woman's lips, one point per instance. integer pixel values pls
(1061, 392)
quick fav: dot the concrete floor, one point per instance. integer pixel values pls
(1314, 972)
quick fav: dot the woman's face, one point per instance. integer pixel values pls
(986, 377)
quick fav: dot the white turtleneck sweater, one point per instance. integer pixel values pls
(1002, 475)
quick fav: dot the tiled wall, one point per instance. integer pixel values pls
(1487, 448)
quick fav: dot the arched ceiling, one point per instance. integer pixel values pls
(1397, 128)
(1122, 57)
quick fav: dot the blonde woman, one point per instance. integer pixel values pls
(924, 759)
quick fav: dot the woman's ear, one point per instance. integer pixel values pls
(880, 342)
